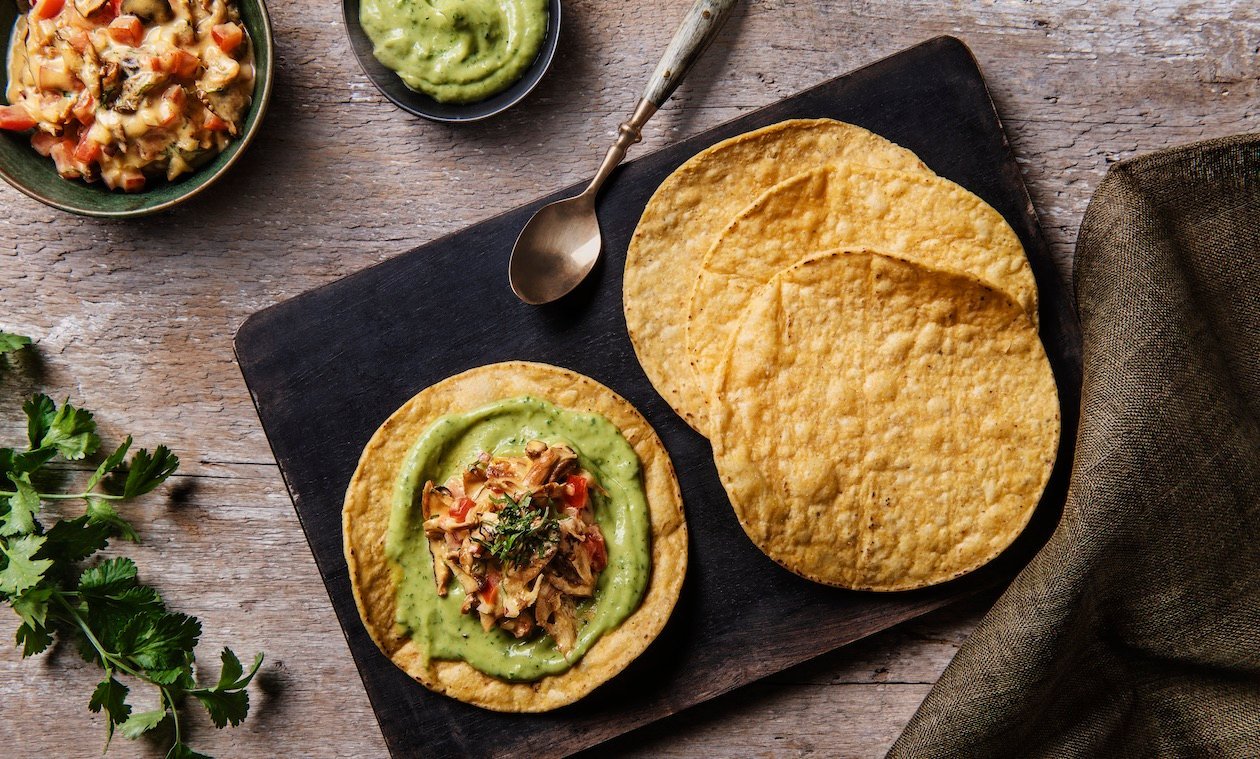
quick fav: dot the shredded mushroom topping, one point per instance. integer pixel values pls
(518, 535)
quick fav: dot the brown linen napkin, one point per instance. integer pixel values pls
(1135, 632)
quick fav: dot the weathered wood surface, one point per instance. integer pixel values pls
(136, 319)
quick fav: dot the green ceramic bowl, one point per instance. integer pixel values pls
(34, 174)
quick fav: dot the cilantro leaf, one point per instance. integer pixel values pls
(32, 606)
(224, 706)
(228, 701)
(72, 540)
(140, 599)
(241, 682)
(100, 511)
(23, 506)
(119, 618)
(162, 641)
(115, 616)
(231, 671)
(33, 639)
(40, 411)
(110, 463)
(72, 431)
(140, 723)
(230, 678)
(10, 342)
(26, 462)
(146, 471)
(111, 696)
(22, 570)
(182, 675)
(110, 577)
(181, 751)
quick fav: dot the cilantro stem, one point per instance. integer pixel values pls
(67, 496)
(170, 701)
(108, 658)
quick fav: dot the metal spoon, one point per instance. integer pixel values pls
(561, 243)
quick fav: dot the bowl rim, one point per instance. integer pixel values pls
(537, 69)
(248, 137)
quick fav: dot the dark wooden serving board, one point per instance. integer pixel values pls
(326, 368)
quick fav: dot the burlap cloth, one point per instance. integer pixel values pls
(1135, 632)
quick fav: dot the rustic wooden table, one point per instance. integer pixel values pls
(135, 320)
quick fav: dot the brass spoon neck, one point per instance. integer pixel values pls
(630, 132)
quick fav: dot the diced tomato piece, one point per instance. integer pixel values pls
(84, 108)
(128, 180)
(88, 149)
(126, 29)
(178, 63)
(575, 491)
(132, 181)
(63, 156)
(490, 589)
(106, 13)
(461, 508)
(227, 36)
(215, 124)
(46, 9)
(43, 142)
(598, 550)
(15, 118)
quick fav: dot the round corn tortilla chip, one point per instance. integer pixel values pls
(880, 425)
(921, 218)
(693, 205)
(365, 519)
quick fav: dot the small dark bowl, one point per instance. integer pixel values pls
(419, 104)
(35, 175)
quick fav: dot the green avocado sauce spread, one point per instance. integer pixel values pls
(435, 623)
(456, 51)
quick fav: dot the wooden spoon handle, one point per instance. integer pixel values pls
(698, 30)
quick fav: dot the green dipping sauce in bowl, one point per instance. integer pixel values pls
(456, 51)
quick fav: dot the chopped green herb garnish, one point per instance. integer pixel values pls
(526, 529)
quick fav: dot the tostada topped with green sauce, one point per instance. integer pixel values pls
(515, 536)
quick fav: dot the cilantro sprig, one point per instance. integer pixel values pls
(112, 619)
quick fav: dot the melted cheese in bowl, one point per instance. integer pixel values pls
(127, 90)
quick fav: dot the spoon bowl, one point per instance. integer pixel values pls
(556, 250)
(561, 243)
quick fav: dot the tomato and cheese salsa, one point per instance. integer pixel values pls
(128, 90)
